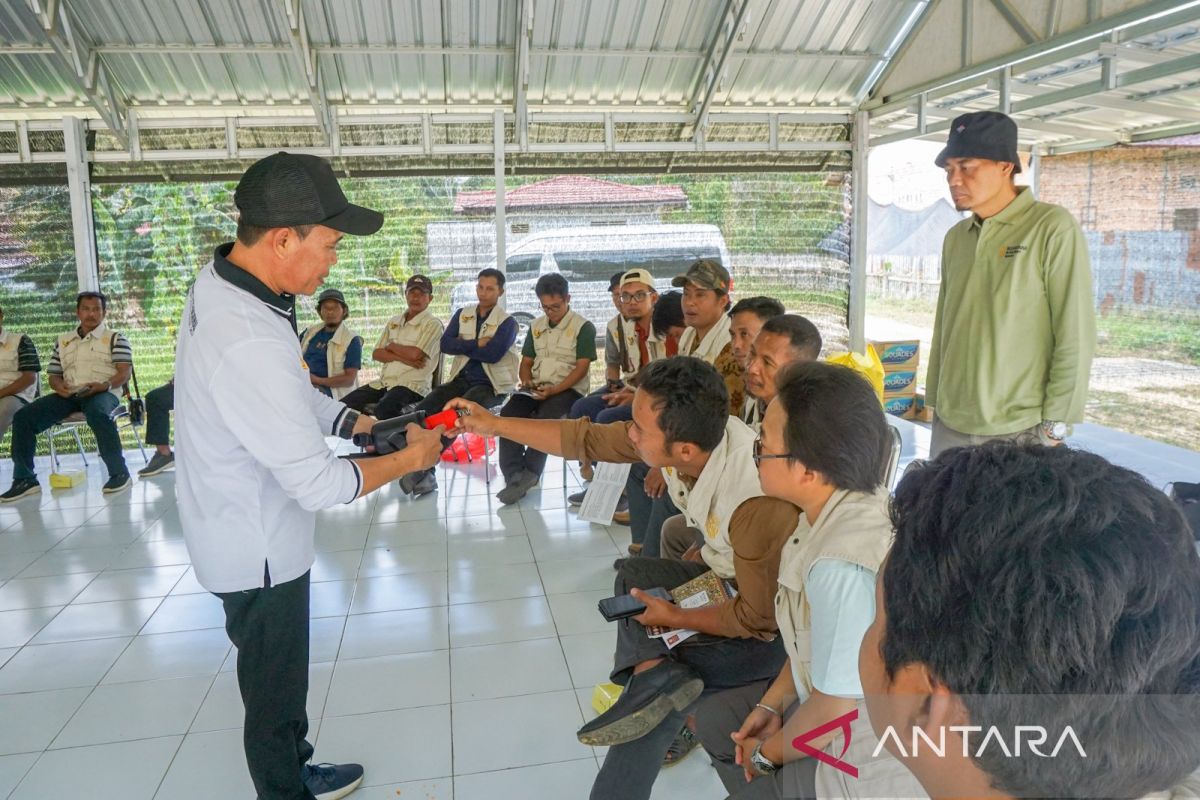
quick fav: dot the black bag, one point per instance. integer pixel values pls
(135, 404)
(1187, 497)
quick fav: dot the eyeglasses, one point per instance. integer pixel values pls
(759, 456)
(637, 297)
(553, 308)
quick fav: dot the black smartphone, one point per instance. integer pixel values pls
(624, 606)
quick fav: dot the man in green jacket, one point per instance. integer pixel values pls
(1015, 328)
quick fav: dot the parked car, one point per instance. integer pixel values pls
(588, 256)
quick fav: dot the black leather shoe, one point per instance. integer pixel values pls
(647, 700)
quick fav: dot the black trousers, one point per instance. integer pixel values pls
(269, 628)
(160, 403)
(515, 457)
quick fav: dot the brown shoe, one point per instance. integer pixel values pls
(621, 518)
(586, 472)
(635, 550)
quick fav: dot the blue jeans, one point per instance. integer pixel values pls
(646, 514)
(46, 411)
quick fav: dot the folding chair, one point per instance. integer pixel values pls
(893, 460)
(73, 422)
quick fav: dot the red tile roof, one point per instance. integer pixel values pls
(571, 191)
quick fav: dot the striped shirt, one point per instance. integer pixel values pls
(27, 356)
(122, 353)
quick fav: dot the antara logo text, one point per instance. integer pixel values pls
(1025, 739)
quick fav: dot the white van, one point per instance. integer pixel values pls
(589, 256)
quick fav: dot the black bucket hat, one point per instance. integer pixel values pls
(982, 134)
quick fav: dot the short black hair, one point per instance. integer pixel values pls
(491, 272)
(552, 284)
(615, 281)
(93, 296)
(1020, 574)
(668, 313)
(835, 424)
(250, 235)
(690, 398)
(803, 336)
(762, 307)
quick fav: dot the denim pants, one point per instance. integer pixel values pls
(160, 403)
(46, 411)
(514, 456)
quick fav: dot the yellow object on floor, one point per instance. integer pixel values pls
(67, 480)
(604, 695)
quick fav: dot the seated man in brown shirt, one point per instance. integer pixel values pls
(681, 424)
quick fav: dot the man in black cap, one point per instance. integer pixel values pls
(1015, 328)
(331, 350)
(253, 465)
(410, 351)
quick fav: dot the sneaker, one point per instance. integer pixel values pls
(158, 464)
(21, 487)
(520, 485)
(117, 483)
(646, 701)
(575, 500)
(331, 781)
(426, 484)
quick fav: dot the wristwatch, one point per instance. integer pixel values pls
(761, 764)
(1055, 430)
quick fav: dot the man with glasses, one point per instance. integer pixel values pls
(555, 360)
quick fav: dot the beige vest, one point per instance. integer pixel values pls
(424, 331)
(502, 374)
(88, 360)
(708, 348)
(752, 413)
(335, 355)
(656, 346)
(854, 527)
(556, 349)
(9, 344)
(728, 480)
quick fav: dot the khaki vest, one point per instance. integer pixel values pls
(88, 360)
(335, 355)
(729, 479)
(556, 349)
(656, 346)
(708, 348)
(502, 374)
(9, 361)
(752, 413)
(853, 527)
(423, 331)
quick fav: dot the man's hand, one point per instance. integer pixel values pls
(655, 483)
(363, 425)
(542, 391)
(62, 390)
(88, 389)
(658, 611)
(758, 725)
(621, 397)
(426, 446)
(476, 420)
(483, 342)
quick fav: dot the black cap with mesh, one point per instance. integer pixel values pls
(287, 189)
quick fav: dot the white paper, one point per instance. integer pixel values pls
(604, 492)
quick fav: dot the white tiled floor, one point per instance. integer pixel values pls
(455, 642)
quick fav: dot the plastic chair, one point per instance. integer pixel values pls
(892, 463)
(73, 422)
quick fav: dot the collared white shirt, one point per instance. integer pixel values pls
(252, 461)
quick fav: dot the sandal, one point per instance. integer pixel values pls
(684, 743)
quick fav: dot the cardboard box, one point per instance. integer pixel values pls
(898, 353)
(899, 382)
(604, 695)
(922, 412)
(903, 407)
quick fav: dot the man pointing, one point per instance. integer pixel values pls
(253, 464)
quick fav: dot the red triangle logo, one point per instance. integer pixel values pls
(801, 743)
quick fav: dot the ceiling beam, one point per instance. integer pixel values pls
(305, 61)
(84, 69)
(1015, 21)
(1150, 17)
(1110, 102)
(521, 71)
(710, 75)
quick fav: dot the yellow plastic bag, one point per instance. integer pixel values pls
(604, 695)
(869, 366)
